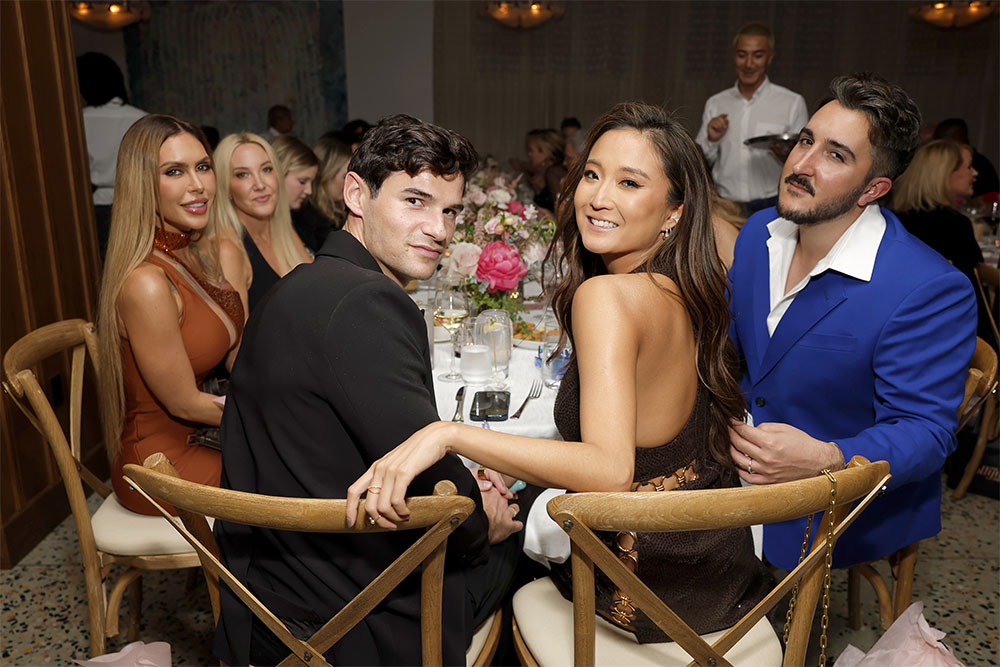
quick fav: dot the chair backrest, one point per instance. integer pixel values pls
(440, 514)
(581, 514)
(22, 386)
(988, 294)
(980, 380)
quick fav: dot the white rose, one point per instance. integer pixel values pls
(533, 254)
(463, 261)
(500, 196)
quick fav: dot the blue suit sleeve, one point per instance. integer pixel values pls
(920, 363)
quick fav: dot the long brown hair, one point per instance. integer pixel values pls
(135, 215)
(690, 249)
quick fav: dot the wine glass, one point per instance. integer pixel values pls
(451, 307)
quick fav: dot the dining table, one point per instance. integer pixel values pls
(544, 540)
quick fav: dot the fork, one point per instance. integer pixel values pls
(535, 392)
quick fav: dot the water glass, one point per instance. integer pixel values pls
(553, 368)
(495, 330)
(475, 365)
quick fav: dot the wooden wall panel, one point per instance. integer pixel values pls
(48, 249)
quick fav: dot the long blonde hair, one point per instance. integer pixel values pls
(226, 220)
(924, 185)
(134, 218)
(333, 154)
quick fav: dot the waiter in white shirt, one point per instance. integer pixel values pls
(754, 107)
(106, 117)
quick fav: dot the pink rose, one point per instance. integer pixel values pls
(492, 225)
(515, 207)
(500, 266)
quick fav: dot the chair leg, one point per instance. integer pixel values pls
(115, 600)
(902, 590)
(134, 608)
(985, 427)
(881, 593)
(853, 599)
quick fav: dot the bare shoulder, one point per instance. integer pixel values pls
(626, 291)
(147, 282)
(148, 299)
(638, 301)
(232, 254)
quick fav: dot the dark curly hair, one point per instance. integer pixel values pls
(403, 143)
(893, 119)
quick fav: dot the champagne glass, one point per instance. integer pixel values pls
(451, 307)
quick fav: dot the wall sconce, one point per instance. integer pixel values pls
(523, 14)
(953, 14)
(110, 15)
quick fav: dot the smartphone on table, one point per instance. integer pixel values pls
(490, 406)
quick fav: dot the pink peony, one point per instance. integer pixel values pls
(500, 266)
(515, 207)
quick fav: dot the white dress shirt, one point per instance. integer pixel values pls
(853, 255)
(745, 173)
(105, 126)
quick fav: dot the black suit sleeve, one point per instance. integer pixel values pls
(376, 354)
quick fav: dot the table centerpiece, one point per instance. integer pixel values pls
(498, 240)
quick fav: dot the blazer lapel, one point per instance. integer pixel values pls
(823, 293)
(760, 306)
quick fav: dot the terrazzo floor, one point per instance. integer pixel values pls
(45, 609)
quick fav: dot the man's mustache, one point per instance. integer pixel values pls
(800, 181)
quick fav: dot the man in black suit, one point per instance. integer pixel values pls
(333, 372)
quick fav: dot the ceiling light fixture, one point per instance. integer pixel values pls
(110, 15)
(523, 14)
(954, 14)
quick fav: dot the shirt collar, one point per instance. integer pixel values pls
(757, 93)
(342, 243)
(854, 252)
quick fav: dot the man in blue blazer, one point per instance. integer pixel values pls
(856, 335)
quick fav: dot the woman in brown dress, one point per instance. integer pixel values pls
(171, 306)
(647, 398)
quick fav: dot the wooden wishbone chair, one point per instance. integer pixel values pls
(440, 514)
(980, 393)
(985, 397)
(113, 534)
(541, 615)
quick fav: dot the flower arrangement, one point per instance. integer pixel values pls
(498, 239)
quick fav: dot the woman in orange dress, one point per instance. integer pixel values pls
(171, 306)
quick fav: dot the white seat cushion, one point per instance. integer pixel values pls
(545, 620)
(479, 640)
(122, 532)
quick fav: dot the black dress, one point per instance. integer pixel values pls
(950, 233)
(711, 578)
(312, 226)
(264, 277)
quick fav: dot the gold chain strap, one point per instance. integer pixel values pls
(826, 577)
(829, 566)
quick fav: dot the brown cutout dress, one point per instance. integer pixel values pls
(710, 578)
(208, 335)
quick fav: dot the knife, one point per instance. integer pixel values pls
(460, 397)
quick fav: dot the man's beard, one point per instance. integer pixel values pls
(823, 212)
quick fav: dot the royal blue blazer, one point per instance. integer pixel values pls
(877, 367)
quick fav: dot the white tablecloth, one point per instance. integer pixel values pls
(536, 420)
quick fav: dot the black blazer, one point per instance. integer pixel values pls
(333, 372)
